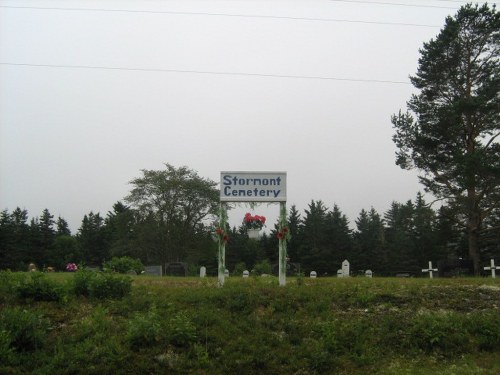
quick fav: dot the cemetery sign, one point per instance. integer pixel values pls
(253, 187)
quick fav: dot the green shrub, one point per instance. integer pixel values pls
(21, 330)
(441, 332)
(81, 282)
(39, 287)
(485, 327)
(101, 285)
(6, 350)
(182, 331)
(124, 265)
(106, 285)
(145, 329)
(262, 267)
(9, 283)
(239, 268)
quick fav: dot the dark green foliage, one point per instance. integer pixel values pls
(171, 206)
(441, 332)
(110, 286)
(101, 285)
(21, 330)
(39, 287)
(146, 329)
(93, 240)
(124, 265)
(182, 331)
(9, 284)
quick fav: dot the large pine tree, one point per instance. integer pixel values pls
(450, 133)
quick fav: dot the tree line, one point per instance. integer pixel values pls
(404, 238)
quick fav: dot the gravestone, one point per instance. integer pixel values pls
(346, 268)
(492, 268)
(176, 269)
(313, 274)
(226, 273)
(430, 270)
(203, 271)
(369, 273)
(32, 267)
(340, 273)
(404, 274)
(153, 270)
(246, 274)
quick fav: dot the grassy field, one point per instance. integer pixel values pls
(54, 324)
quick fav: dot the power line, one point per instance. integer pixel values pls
(206, 72)
(219, 15)
(392, 4)
(404, 4)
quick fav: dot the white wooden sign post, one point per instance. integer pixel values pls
(492, 268)
(430, 270)
(253, 187)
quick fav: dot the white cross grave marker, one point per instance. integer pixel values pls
(492, 268)
(430, 269)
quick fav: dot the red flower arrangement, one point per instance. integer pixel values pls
(253, 222)
(282, 233)
(222, 235)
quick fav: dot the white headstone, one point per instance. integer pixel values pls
(345, 268)
(203, 271)
(492, 268)
(340, 273)
(430, 270)
(246, 273)
(153, 270)
(368, 273)
(226, 273)
(313, 274)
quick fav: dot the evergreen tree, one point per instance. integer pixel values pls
(295, 226)
(314, 243)
(92, 240)
(453, 139)
(369, 243)
(120, 227)
(424, 236)
(339, 237)
(62, 227)
(398, 232)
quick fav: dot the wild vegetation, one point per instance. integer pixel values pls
(250, 326)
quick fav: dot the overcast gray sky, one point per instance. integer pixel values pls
(91, 92)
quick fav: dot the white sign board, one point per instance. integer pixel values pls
(253, 186)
